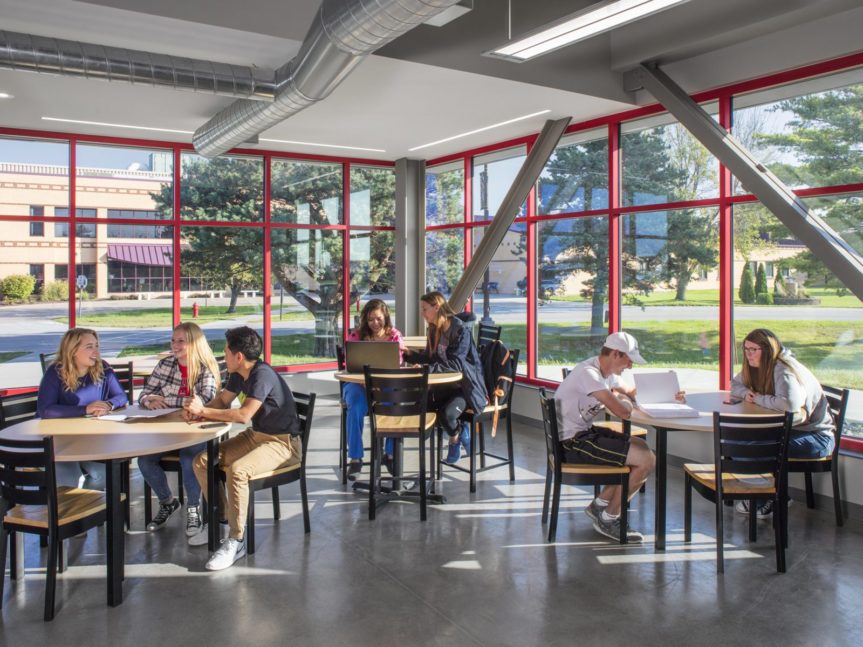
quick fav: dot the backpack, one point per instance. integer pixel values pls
(498, 374)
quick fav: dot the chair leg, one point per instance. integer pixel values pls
(810, 491)
(250, 524)
(148, 504)
(624, 508)
(423, 492)
(555, 508)
(343, 447)
(548, 476)
(51, 575)
(481, 448)
(62, 556)
(373, 476)
(16, 555)
(779, 511)
(687, 508)
(180, 487)
(595, 491)
(476, 430)
(4, 542)
(509, 448)
(837, 497)
(304, 497)
(126, 488)
(432, 462)
(720, 536)
(277, 508)
(437, 468)
(753, 522)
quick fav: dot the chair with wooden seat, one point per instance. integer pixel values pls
(272, 479)
(397, 401)
(477, 422)
(46, 359)
(557, 470)
(486, 333)
(35, 505)
(748, 464)
(837, 400)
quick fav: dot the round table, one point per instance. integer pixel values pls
(112, 442)
(435, 379)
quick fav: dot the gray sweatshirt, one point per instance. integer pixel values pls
(791, 395)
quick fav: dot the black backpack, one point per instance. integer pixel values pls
(497, 371)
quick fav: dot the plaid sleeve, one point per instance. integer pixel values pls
(165, 380)
(205, 387)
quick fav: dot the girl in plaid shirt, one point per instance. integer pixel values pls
(191, 369)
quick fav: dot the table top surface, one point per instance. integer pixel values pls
(79, 439)
(705, 403)
(434, 378)
(415, 342)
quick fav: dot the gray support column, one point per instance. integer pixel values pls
(493, 234)
(410, 248)
(844, 261)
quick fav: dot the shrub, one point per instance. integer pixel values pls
(747, 286)
(779, 286)
(761, 280)
(56, 291)
(764, 299)
(17, 287)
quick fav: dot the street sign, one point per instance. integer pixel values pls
(81, 282)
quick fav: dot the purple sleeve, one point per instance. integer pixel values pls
(113, 392)
(48, 402)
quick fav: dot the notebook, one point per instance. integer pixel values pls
(377, 354)
(655, 393)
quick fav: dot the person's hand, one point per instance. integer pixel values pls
(154, 402)
(680, 396)
(98, 408)
(749, 397)
(193, 405)
(190, 417)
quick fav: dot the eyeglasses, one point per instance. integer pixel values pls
(749, 350)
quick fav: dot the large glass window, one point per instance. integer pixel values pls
(227, 188)
(306, 193)
(493, 175)
(119, 230)
(445, 194)
(373, 196)
(444, 259)
(575, 178)
(373, 268)
(33, 172)
(82, 229)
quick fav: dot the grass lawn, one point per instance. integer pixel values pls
(828, 297)
(9, 355)
(149, 318)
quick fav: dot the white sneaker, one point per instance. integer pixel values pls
(200, 538)
(229, 552)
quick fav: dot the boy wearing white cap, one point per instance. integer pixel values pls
(594, 385)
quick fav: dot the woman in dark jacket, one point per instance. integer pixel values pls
(450, 348)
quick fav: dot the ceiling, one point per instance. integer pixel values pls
(430, 84)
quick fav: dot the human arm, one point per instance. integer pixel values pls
(49, 403)
(738, 389)
(617, 404)
(219, 408)
(112, 392)
(457, 349)
(789, 394)
(157, 390)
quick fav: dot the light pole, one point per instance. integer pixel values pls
(483, 204)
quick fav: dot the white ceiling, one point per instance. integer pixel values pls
(428, 85)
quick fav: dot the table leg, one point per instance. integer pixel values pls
(115, 533)
(661, 468)
(212, 494)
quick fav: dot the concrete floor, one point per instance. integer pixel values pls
(478, 572)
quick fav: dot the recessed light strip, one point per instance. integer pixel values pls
(480, 130)
(350, 148)
(111, 125)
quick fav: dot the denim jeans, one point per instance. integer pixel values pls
(357, 409)
(158, 480)
(811, 446)
(70, 474)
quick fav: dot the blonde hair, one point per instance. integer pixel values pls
(760, 380)
(65, 362)
(441, 323)
(198, 354)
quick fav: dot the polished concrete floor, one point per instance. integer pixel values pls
(478, 572)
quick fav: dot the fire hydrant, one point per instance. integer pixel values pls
(195, 310)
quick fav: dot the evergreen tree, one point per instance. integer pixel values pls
(760, 280)
(747, 285)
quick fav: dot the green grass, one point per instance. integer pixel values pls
(9, 355)
(150, 318)
(828, 297)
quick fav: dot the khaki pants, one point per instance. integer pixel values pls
(242, 457)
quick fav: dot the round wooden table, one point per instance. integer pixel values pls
(112, 442)
(435, 379)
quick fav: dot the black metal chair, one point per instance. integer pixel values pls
(485, 334)
(749, 464)
(838, 402)
(35, 505)
(477, 422)
(17, 408)
(557, 470)
(46, 359)
(397, 409)
(283, 475)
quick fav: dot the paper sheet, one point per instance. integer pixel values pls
(136, 411)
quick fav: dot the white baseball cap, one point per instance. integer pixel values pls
(625, 343)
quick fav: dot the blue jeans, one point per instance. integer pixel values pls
(70, 473)
(158, 480)
(354, 396)
(811, 446)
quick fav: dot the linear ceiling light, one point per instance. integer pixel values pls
(350, 148)
(110, 125)
(480, 130)
(596, 19)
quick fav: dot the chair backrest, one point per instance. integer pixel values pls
(397, 392)
(223, 369)
(486, 334)
(305, 412)
(553, 450)
(513, 359)
(565, 372)
(27, 473)
(126, 377)
(837, 400)
(750, 445)
(17, 408)
(46, 359)
(340, 357)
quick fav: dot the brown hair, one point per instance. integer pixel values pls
(760, 380)
(441, 324)
(65, 363)
(364, 332)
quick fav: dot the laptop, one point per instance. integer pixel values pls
(377, 354)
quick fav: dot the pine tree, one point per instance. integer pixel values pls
(747, 285)
(760, 280)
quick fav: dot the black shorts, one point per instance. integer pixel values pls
(597, 447)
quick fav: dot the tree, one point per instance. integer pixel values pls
(444, 248)
(760, 280)
(746, 291)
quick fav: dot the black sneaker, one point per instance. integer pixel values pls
(354, 468)
(161, 518)
(194, 523)
(611, 529)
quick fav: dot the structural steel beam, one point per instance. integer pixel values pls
(515, 197)
(842, 259)
(410, 243)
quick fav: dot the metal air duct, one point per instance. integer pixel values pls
(71, 58)
(342, 33)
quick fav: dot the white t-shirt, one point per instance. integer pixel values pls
(576, 407)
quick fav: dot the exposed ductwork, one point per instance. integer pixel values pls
(342, 33)
(71, 58)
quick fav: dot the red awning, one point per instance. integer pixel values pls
(141, 254)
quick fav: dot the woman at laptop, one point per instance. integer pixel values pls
(375, 325)
(450, 348)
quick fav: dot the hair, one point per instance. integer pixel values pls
(198, 354)
(65, 362)
(760, 379)
(375, 304)
(444, 313)
(244, 340)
